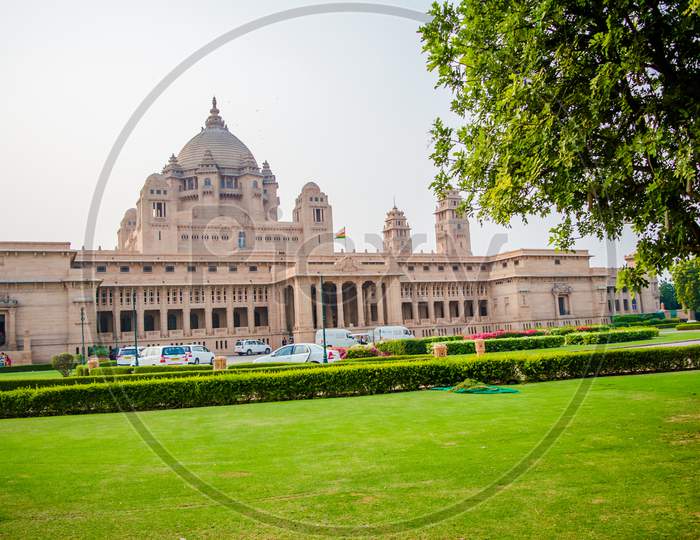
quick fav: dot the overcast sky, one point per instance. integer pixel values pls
(343, 100)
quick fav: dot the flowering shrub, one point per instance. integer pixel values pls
(498, 334)
(363, 351)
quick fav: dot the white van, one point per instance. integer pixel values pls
(385, 333)
(336, 337)
(168, 355)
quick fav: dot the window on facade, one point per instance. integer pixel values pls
(483, 308)
(441, 268)
(626, 304)
(426, 268)
(469, 267)
(124, 269)
(212, 269)
(252, 268)
(557, 261)
(232, 268)
(504, 265)
(101, 269)
(455, 267)
(148, 268)
(563, 302)
(169, 268)
(159, 209)
(241, 239)
(191, 268)
(207, 182)
(516, 262)
(318, 215)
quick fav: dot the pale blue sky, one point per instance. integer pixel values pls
(343, 100)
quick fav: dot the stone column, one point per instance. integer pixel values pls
(319, 304)
(431, 306)
(393, 302)
(11, 329)
(250, 308)
(208, 307)
(140, 311)
(116, 320)
(163, 312)
(360, 305)
(339, 305)
(229, 310)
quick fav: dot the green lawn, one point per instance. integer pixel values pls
(627, 466)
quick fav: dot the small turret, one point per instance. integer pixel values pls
(397, 233)
(451, 229)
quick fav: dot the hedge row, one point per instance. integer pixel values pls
(507, 344)
(614, 336)
(26, 367)
(688, 326)
(12, 384)
(638, 317)
(401, 347)
(361, 379)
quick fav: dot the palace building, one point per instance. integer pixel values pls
(203, 258)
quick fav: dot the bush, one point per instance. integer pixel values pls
(335, 380)
(362, 351)
(506, 344)
(688, 326)
(564, 330)
(638, 317)
(412, 346)
(63, 363)
(613, 336)
(499, 334)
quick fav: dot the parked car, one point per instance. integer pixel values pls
(198, 354)
(335, 337)
(127, 355)
(384, 333)
(251, 346)
(299, 353)
(160, 355)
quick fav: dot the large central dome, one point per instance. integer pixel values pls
(227, 149)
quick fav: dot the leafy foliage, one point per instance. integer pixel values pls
(63, 363)
(588, 109)
(686, 277)
(614, 336)
(667, 293)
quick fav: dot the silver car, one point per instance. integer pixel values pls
(299, 353)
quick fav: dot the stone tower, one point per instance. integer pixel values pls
(451, 230)
(397, 233)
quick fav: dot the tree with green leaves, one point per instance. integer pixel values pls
(587, 109)
(667, 294)
(686, 279)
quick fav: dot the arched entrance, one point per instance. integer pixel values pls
(350, 304)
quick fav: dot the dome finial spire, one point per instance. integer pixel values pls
(214, 119)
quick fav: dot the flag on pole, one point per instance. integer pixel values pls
(340, 234)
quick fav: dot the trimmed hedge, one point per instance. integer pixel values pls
(506, 344)
(163, 369)
(332, 381)
(26, 367)
(614, 336)
(563, 330)
(638, 317)
(688, 326)
(12, 384)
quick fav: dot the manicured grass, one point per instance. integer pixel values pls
(626, 467)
